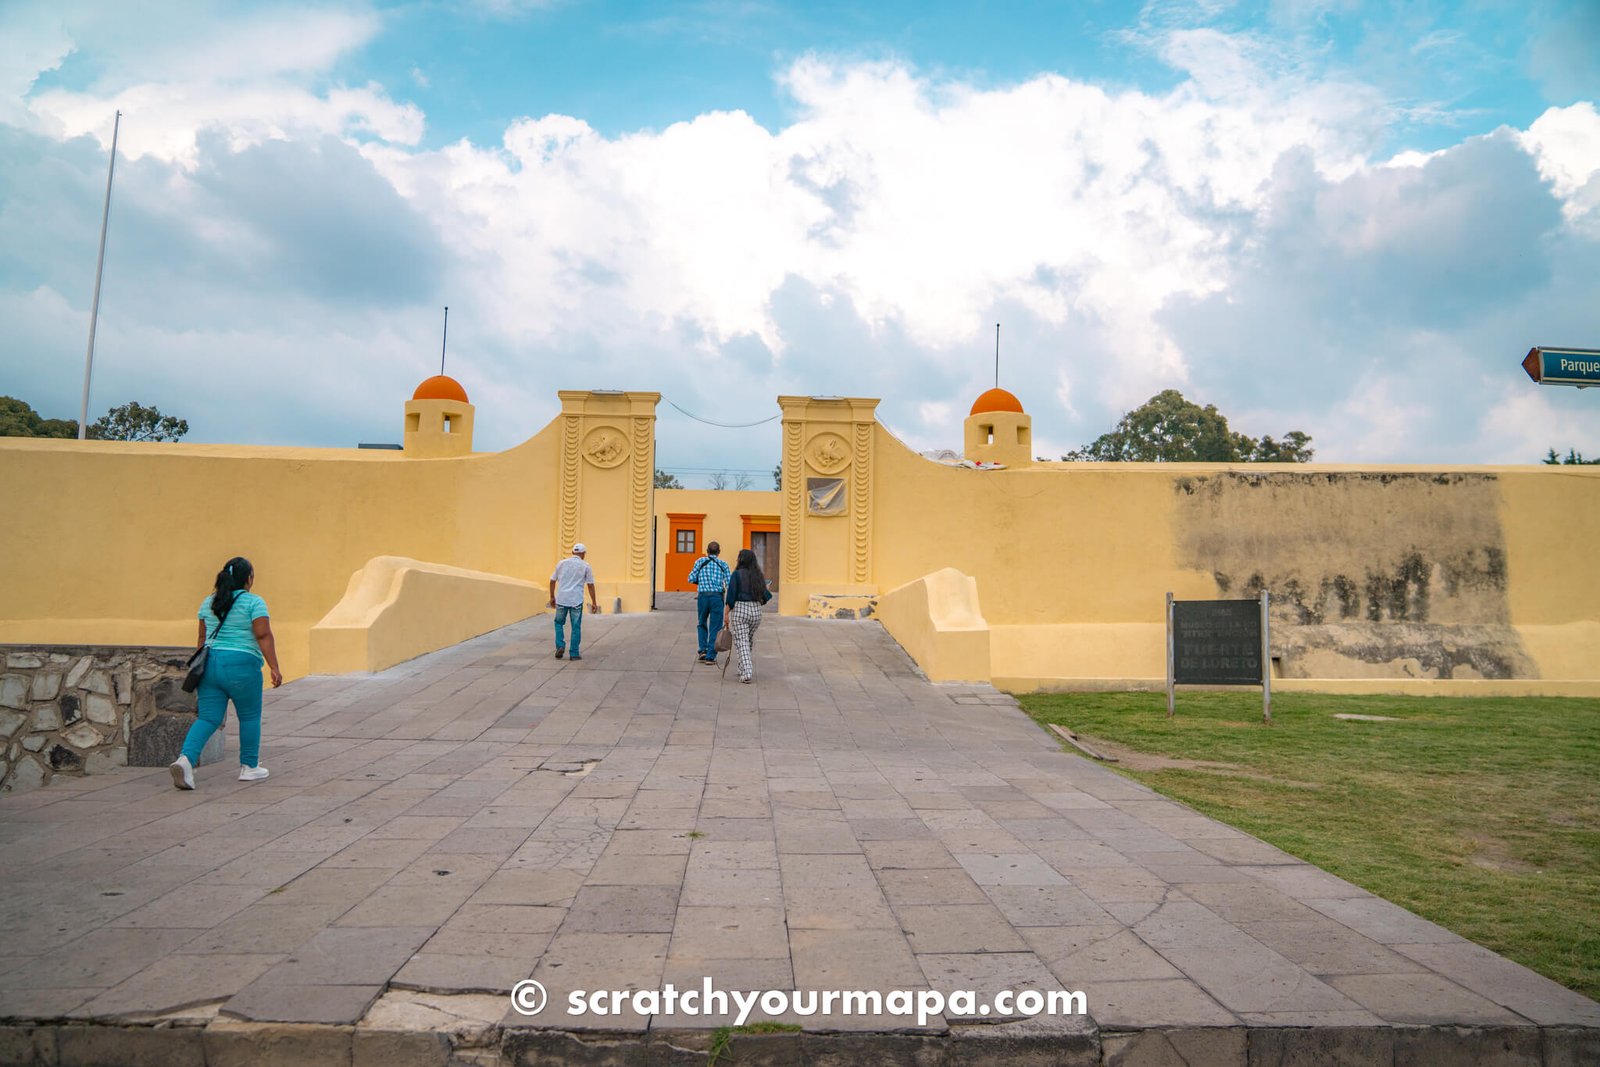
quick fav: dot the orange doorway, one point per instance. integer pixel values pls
(686, 534)
(761, 537)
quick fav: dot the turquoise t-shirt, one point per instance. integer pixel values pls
(236, 635)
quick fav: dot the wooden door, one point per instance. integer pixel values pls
(685, 537)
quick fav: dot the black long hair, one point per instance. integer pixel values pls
(755, 581)
(231, 580)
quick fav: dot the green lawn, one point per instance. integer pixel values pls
(1481, 814)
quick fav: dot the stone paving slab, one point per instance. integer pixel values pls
(435, 834)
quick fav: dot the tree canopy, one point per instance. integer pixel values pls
(667, 481)
(18, 419)
(1169, 429)
(135, 422)
(1571, 459)
(129, 422)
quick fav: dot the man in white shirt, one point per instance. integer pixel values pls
(567, 583)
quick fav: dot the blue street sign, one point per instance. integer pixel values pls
(1563, 366)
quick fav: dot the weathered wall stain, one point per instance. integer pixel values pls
(1381, 574)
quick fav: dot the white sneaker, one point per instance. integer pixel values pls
(251, 774)
(182, 772)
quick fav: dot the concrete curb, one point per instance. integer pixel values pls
(227, 1043)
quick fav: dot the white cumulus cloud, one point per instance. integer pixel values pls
(1236, 237)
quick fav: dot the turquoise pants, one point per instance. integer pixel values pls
(234, 676)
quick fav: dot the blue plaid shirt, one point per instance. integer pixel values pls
(710, 574)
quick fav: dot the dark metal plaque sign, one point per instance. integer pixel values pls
(1216, 642)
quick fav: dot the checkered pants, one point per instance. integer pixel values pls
(745, 620)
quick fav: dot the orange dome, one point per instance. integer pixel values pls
(996, 400)
(442, 387)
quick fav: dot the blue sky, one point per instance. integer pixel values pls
(1347, 218)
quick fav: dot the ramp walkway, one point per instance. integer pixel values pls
(434, 836)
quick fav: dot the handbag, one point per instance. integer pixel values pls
(724, 641)
(197, 668)
(197, 661)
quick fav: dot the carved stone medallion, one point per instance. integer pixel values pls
(605, 446)
(828, 453)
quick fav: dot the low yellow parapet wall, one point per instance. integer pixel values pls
(1088, 657)
(396, 609)
(937, 621)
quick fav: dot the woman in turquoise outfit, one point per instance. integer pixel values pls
(234, 622)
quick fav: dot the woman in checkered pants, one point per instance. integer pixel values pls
(747, 591)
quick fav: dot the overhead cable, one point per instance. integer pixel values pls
(726, 425)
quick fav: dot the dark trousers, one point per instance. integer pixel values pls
(709, 614)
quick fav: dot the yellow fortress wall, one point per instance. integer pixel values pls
(1383, 578)
(117, 543)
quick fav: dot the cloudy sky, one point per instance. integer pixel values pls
(1347, 218)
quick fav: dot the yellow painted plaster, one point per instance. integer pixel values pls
(606, 496)
(828, 439)
(437, 428)
(117, 543)
(395, 609)
(937, 620)
(722, 508)
(1073, 561)
(1550, 516)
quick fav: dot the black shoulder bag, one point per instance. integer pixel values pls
(197, 662)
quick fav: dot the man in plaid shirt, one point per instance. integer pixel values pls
(710, 574)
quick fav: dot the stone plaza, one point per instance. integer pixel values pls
(438, 832)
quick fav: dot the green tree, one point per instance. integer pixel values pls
(777, 478)
(1294, 448)
(667, 481)
(18, 419)
(135, 422)
(1573, 458)
(1169, 429)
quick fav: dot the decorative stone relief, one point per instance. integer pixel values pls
(639, 506)
(828, 453)
(793, 500)
(605, 447)
(825, 496)
(567, 531)
(860, 505)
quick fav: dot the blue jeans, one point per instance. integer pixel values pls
(234, 676)
(563, 613)
(709, 623)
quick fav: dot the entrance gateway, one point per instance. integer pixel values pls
(687, 520)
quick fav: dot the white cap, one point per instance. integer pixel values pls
(578, 549)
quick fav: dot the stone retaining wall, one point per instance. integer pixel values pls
(84, 709)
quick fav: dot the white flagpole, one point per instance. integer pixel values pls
(99, 268)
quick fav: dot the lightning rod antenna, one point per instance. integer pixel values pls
(445, 339)
(997, 355)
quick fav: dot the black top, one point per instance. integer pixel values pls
(742, 588)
